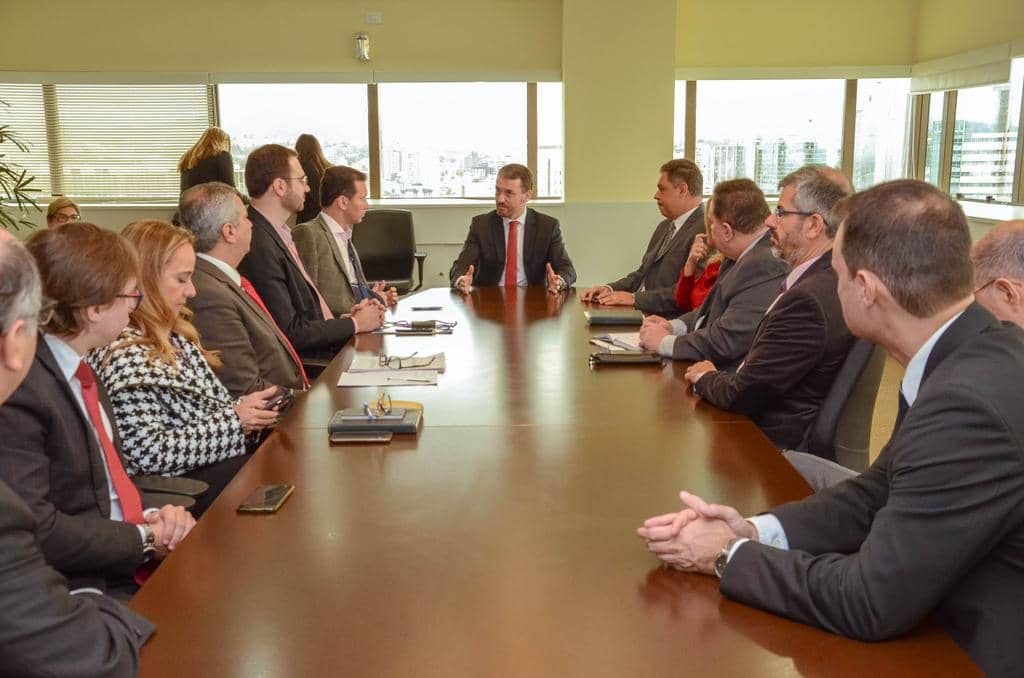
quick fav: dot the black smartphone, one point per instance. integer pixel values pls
(266, 498)
(280, 401)
(348, 437)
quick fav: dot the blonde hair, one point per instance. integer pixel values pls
(59, 204)
(213, 141)
(156, 242)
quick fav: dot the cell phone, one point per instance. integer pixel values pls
(349, 437)
(266, 498)
(282, 400)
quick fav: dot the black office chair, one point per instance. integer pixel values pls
(156, 491)
(842, 431)
(387, 249)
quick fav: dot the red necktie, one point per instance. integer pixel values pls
(512, 255)
(127, 493)
(251, 291)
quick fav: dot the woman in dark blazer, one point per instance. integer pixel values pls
(209, 159)
(174, 414)
(311, 157)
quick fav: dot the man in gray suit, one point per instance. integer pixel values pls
(935, 527)
(650, 287)
(44, 629)
(724, 325)
(227, 311)
(325, 243)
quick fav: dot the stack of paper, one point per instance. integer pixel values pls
(371, 363)
(389, 378)
(618, 341)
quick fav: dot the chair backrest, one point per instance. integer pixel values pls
(842, 431)
(386, 244)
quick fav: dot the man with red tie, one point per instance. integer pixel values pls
(60, 448)
(513, 246)
(228, 312)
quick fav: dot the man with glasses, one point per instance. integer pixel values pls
(999, 271)
(277, 188)
(44, 629)
(802, 340)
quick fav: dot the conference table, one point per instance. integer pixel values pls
(500, 540)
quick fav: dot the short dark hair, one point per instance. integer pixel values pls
(740, 203)
(819, 189)
(516, 171)
(680, 170)
(914, 238)
(339, 181)
(81, 265)
(264, 165)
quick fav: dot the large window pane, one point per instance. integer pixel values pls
(933, 142)
(880, 141)
(550, 153)
(23, 115)
(260, 114)
(448, 140)
(765, 129)
(679, 129)
(985, 143)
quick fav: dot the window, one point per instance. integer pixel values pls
(765, 129)
(550, 152)
(23, 113)
(254, 115)
(933, 142)
(448, 140)
(985, 143)
(881, 124)
(679, 129)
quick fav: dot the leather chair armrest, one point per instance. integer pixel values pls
(171, 485)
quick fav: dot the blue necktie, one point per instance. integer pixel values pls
(361, 289)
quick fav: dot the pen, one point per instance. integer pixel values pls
(426, 308)
(418, 381)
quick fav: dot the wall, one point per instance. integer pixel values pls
(947, 27)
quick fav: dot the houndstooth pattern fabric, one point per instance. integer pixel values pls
(172, 419)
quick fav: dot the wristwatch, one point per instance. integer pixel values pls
(148, 543)
(723, 557)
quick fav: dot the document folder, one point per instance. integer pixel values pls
(355, 419)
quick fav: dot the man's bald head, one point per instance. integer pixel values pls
(999, 271)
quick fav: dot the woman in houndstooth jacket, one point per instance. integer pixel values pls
(175, 416)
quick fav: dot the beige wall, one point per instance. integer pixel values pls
(947, 27)
(806, 33)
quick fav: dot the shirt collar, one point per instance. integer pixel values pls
(752, 245)
(67, 358)
(798, 272)
(915, 368)
(283, 231)
(223, 266)
(505, 221)
(336, 228)
(681, 219)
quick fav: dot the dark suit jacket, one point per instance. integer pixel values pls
(793, 358)
(733, 309)
(212, 168)
(485, 249)
(252, 352)
(936, 524)
(43, 629)
(50, 457)
(657, 274)
(290, 299)
(320, 254)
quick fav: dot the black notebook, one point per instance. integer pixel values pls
(400, 420)
(614, 317)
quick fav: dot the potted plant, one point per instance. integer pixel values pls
(15, 183)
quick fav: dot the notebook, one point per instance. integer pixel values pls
(400, 420)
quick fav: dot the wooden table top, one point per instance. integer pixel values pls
(500, 540)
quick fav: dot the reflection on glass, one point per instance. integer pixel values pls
(335, 114)
(679, 131)
(448, 140)
(933, 143)
(880, 138)
(985, 143)
(550, 153)
(765, 129)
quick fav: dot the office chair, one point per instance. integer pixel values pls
(387, 248)
(842, 431)
(156, 491)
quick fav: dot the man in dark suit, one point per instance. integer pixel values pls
(650, 287)
(801, 342)
(721, 328)
(44, 629)
(513, 246)
(277, 188)
(325, 242)
(999, 271)
(226, 310)
(935, 527)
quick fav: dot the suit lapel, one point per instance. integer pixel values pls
(971, 321)
(335, 248)
(694, 221)
(498, 238)
(260, 221)
(529, 237)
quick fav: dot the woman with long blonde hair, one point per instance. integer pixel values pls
(209, 159)
(174, 414)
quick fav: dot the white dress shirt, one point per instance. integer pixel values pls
(342, 235)
(225, 268)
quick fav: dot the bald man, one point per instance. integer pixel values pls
(999, 271)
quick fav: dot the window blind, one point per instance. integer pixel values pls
(25, 116)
